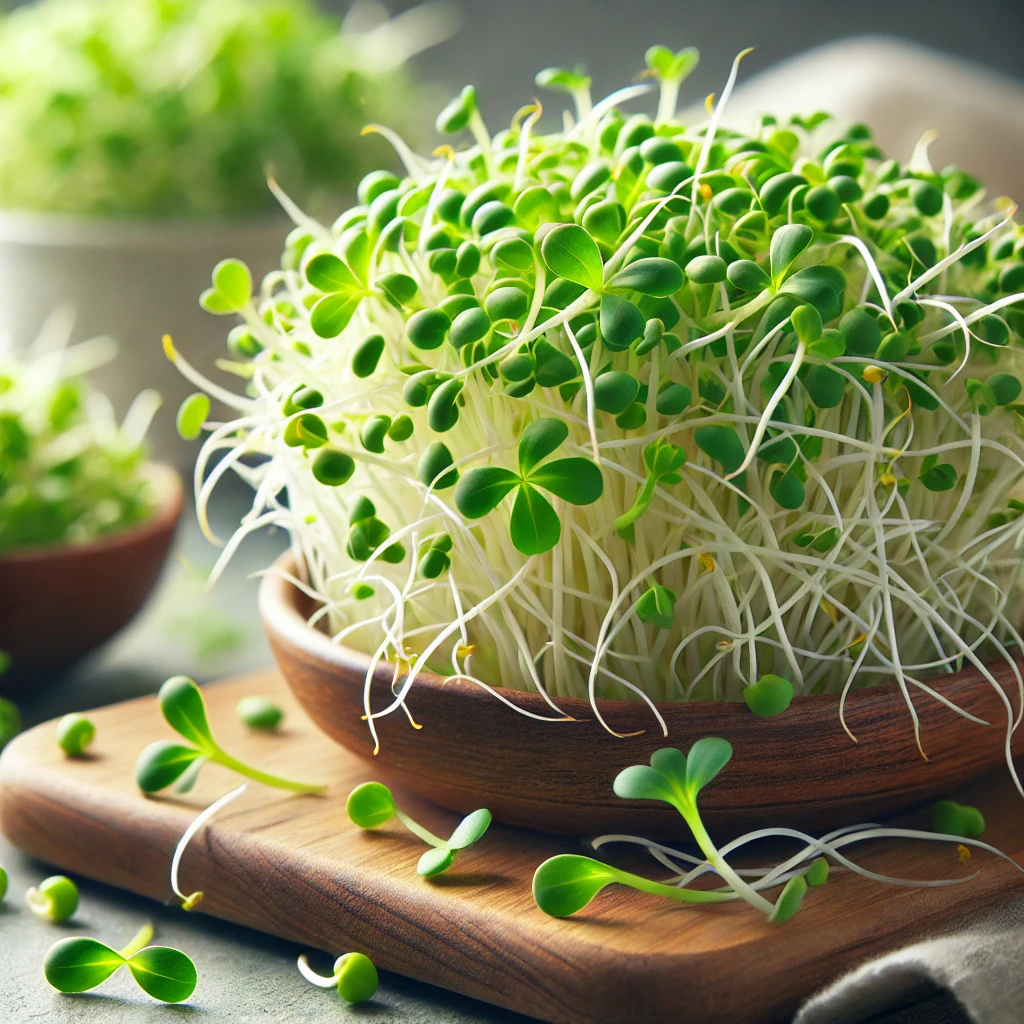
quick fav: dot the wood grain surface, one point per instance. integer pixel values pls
(295, 867)
(556, 776)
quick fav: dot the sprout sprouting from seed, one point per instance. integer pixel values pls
(371, 805)
(354, 975)
(74, 733)
(163, 763)
(565, 884)
(260, 713)
(643, 409)
(54, 899)
(191, 900)
(78, 964)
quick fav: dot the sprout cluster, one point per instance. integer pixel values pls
(68, 471)
(170, 108)
(642, 409)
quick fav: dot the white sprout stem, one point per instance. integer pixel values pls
(200, 820)
(320, 980)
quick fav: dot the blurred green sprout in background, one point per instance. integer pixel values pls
(180, 108)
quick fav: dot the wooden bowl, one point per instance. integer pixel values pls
(61, 601)
(799, 769)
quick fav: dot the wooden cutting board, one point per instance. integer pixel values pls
(295, 867)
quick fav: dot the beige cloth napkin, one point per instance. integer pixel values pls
(902, 91)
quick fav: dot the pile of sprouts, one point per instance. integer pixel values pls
(69, 472)
(641, 409)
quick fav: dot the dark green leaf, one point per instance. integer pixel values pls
(534, 525)
(788, 244)
(769, 696)
(575, 480)
(652, 276)
(722, 444)
(539, 440)
(482, 489)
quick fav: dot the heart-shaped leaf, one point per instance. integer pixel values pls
(482, 489)
(534, 526)
(575, 480)
(470, 829)
(77, 964)
(571, 253)
(213, 302)
(165, 973)
(435, 861)
(233, 282)
(539, 440)
(327, 273)
(565, 884)
(707, 757)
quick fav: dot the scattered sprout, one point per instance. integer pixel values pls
(78, 964)
(192, 900)
(153, 109)
(565, 884)
(74, 733)
(260, 713)
(54, 899)
(163, 763)
(371, 805)
(769, 696)
(354, 975)
(783, 392)
(68, 472)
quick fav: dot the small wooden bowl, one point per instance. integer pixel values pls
(61, 601)
(799, 769)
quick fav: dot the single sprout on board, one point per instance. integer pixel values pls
(642, 409)
(74, 733)
(191, 900)
(565, 884)
(354, 975)
(371, 805)
(78, 964)
(54, 899)
(163, 763)
(260, 713)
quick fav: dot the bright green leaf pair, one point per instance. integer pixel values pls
(163, 763)
(372, 805)
(78, 964)
(534, 525)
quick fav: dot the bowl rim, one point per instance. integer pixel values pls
(170, 500)
(278, 607)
